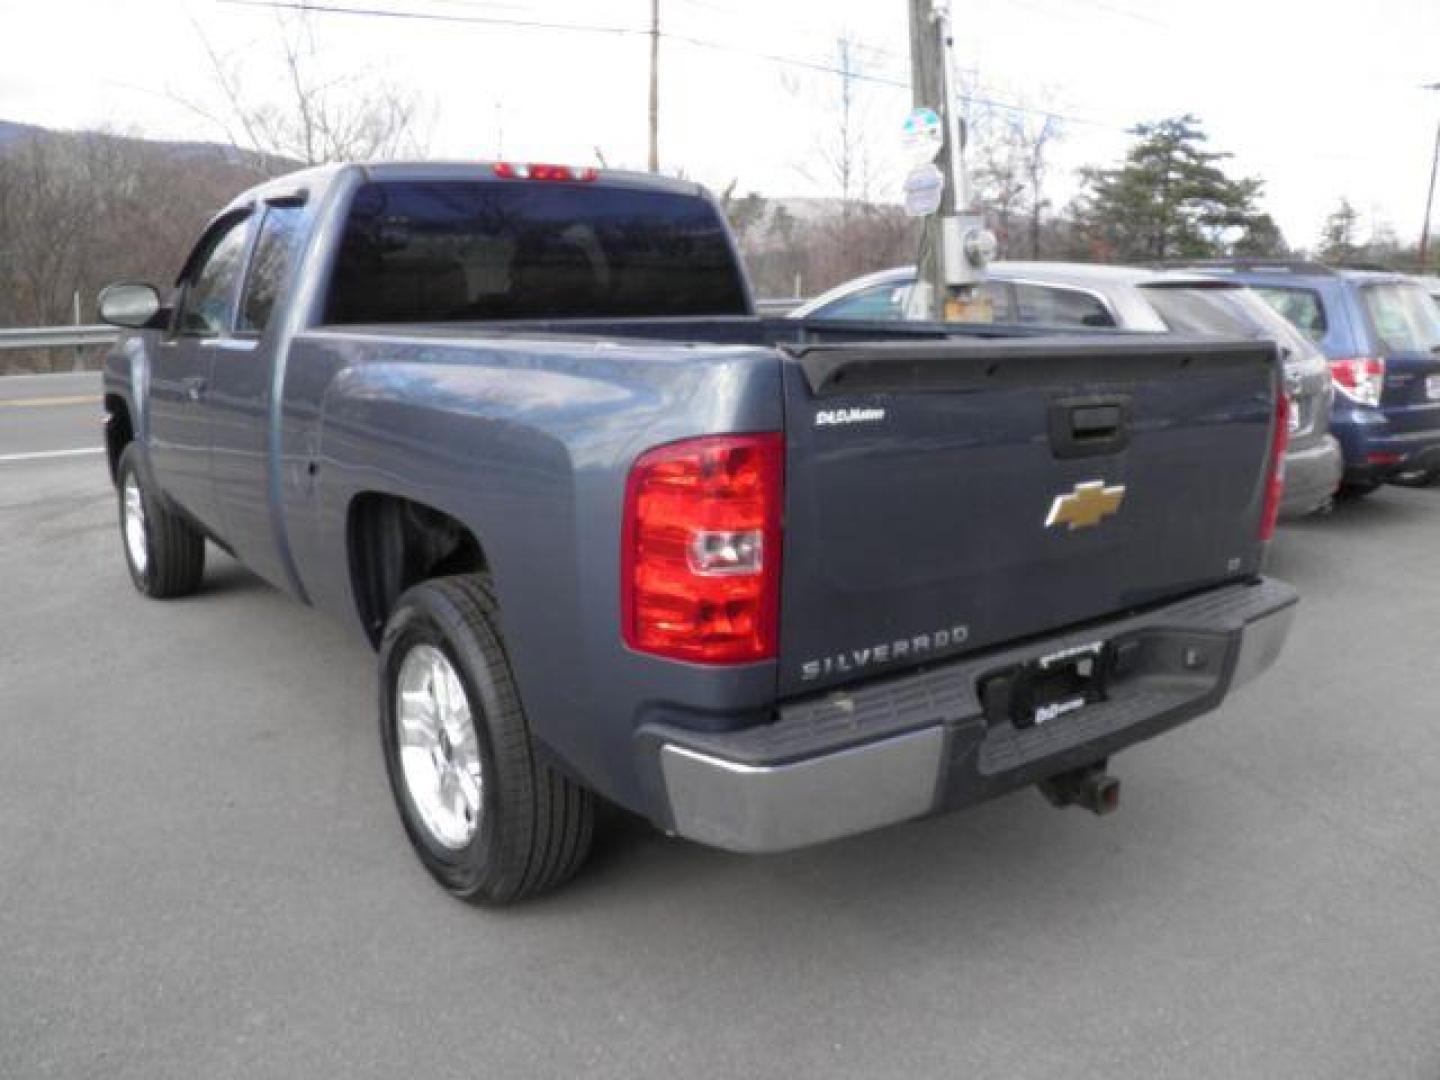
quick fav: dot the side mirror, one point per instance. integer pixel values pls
(130, 304)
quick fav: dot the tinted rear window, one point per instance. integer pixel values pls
(1405, 317)
(459, 250)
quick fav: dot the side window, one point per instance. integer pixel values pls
(1043, 305)
(211, 282)
(998, 294)
(1204, 309)
(884, 302)
(1301, 306)
(275, 251)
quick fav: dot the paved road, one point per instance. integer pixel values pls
(48, 414)
(201, 874)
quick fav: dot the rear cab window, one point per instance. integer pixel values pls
(442, 251)
(1404, 317)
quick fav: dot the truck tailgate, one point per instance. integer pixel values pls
(945, 496)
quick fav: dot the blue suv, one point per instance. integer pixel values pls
(1381, 333)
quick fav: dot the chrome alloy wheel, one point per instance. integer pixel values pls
(135, 525)
(439, 749)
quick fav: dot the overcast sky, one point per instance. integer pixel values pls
(1318, 98)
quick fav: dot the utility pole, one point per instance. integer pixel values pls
(954, 246)
(846, 157)
(654, 85)
(1430, 197)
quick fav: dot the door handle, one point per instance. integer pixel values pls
(194, 386)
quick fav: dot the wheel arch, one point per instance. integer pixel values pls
(119, 431)
(394, 543)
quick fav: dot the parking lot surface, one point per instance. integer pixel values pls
(201, 873)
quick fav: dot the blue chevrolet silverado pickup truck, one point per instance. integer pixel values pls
(765, 583)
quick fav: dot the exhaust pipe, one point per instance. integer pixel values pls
(1089, 787)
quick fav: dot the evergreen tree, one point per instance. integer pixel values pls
(1337, 238)
(1170, 199)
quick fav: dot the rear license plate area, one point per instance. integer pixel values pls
(1043, 690)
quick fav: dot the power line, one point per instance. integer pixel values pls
(434, 16)
(687, 39)
(1127, 13)
(1098, 5)
(883, 80)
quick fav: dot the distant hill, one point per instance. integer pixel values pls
(10, 130)
(80, 209)
(252, 165)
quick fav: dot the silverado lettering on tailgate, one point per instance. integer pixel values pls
(884, 653)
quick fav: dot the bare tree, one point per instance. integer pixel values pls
(998, 178)
(1011, 148)
(839, 157)
(78, 210)
(1035, 135)
(314, 114)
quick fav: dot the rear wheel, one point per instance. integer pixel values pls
(489, 821)
(1417, 478)
(164, 553)
(1357, 489)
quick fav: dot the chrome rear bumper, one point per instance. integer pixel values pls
(903, 748)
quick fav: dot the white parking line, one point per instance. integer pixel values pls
(39, 454)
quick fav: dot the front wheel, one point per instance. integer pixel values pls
(488, 820)
(164, 553)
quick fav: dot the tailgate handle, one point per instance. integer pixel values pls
(1095, 421)
(1082, 427)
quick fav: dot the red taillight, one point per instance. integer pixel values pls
(700, 560)
(1275, 468)
(509, 170)
(1360, 378)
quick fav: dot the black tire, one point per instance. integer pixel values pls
(535, 825)
(1358, 489)
(1416, 478)
(174, 563)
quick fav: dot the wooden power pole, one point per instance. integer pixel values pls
(1430, 196)
(654, 85)
(954, 246)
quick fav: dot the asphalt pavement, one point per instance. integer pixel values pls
(201, 874)
(49, 415)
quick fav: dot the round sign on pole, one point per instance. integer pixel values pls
(921, 135)
(923, 188)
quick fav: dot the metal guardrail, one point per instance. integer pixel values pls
(55, 337)
(778, 305)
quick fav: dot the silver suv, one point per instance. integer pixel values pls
(1070, 295)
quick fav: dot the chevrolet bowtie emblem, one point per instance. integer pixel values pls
(1088, 505)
